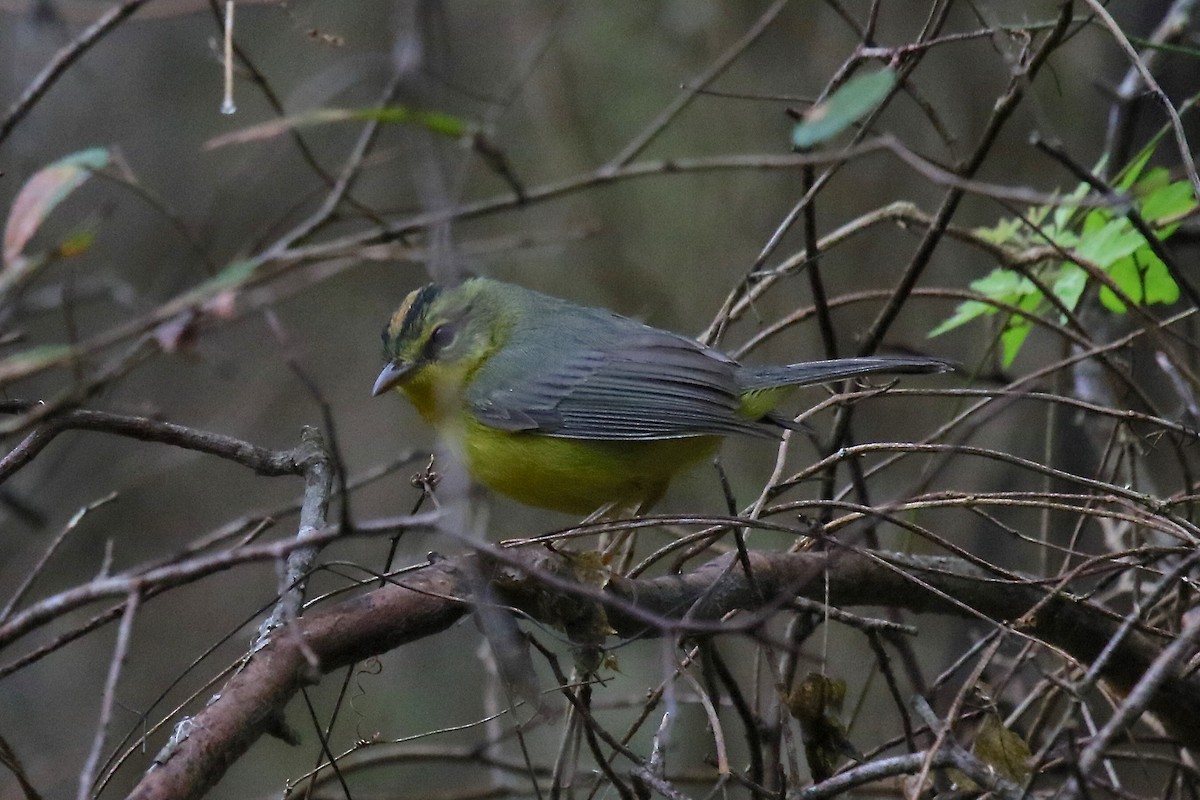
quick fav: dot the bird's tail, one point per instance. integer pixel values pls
(754, 379)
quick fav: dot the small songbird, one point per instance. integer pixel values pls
(578, 409)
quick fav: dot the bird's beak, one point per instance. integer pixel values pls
(390, 377)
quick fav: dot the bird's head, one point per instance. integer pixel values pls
(437, 337)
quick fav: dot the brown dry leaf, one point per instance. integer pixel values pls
(816, 702)
(1003, 750)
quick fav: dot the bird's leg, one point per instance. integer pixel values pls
(625, 542)
(599, 514)
(621, 541)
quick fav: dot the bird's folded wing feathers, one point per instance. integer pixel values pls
(639, 384)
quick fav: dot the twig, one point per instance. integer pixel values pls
(316, 467)
(1002, 111)
(1139, 698)
(692, 88)
(1181, 142)
(172, 575)
(62, 61)
(714, 722)
(261, 460)
(1119, 129)
(875, 771)
(942, 729)
(345, 179)
(889, 678)
(87, 776)
(33, 573)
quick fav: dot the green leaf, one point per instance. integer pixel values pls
(1065, 238)
(852, 101)
(1012, 338)
(1160, 286)
(1169, 201)
(434, 121)
(1069, 285)
(966, 311)
(39, 196)
(1095, 220)
(1155, 179)
(1001, 285)
(1103, 237)
(1144, 277)
(1017, 328)
(1128, 176)
(1125, 273)
(1114, 241)
(1005, 232)
(1036, 216)
(1004, 284)
(1069, 205)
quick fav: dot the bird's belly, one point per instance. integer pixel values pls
(578, 476)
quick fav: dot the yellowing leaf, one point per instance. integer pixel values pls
(435, 121)
(77, 243)
(27, 362)
(47, 188)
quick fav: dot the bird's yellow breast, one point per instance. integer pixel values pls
(577, 476)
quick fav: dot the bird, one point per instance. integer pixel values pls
(578, 409)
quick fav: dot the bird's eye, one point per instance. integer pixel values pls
(441, 338)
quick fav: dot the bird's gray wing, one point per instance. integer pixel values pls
(623, 382)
